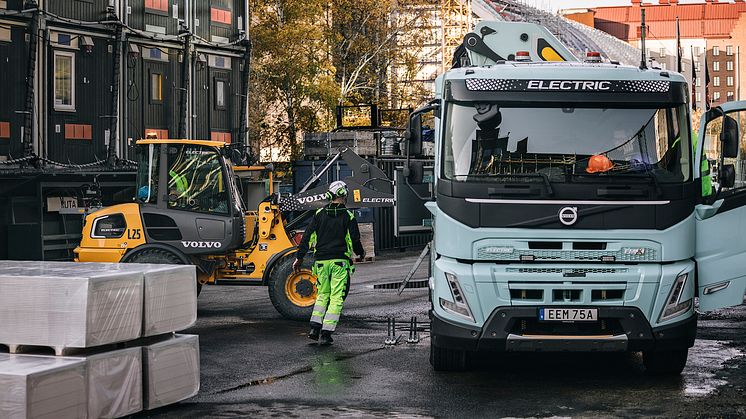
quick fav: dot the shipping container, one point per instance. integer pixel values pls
(13, 67)
(79, 101)
(219, 21)
(155, 16)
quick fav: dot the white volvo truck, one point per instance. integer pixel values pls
(572, 207)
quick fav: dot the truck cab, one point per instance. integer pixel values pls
(573, 210)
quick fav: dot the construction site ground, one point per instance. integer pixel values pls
(255, 363)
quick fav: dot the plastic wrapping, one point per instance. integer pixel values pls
(42, 387)
(170, 296)
(170, 370)
(114, 383)
(68, 305)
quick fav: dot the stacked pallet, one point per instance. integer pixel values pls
(111, 328)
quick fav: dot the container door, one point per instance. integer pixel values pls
(721, 220)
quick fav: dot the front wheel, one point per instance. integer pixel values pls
(444, 359)
(293, 293)
(665, 362)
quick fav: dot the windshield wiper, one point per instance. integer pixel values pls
(545, 180)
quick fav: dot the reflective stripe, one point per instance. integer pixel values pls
(331, 317)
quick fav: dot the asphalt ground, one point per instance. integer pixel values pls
(255, 363)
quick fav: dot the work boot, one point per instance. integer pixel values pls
(326, 338)
(314, 333)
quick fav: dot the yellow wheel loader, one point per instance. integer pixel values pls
(189, 210)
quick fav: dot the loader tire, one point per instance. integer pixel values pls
(160, 257)
(444, 359)
(292, 293)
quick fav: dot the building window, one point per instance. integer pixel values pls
(716, 50)
(698, 82)
(160, 5)
(662, 52)
(729, 50)
(716, 66)
(156, 87)
(220, 94)
(699, 97)
(64, 80)
(729, 66)
(663, 66)
(696, 51)
(696, 66)
(716, 81)
(729, 95)
(729, 81)
(716, 96)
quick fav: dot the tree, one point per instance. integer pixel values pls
(292, 86)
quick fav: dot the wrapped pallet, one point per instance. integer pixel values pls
(68, 305)
(169, 296)
(42, 387)
(114, 383)
(170, 370)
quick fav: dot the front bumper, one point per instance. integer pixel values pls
(512, 329)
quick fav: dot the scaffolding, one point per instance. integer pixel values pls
(456, 21)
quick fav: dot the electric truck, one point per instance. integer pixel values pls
(574, 209)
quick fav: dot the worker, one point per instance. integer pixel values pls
(333, 234)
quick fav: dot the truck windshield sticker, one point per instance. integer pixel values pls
(609, 86)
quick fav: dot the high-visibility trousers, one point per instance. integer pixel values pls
(332, 287)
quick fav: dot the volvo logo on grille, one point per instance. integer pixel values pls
(568, 215)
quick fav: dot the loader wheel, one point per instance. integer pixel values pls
(293, 293)
(158, 256)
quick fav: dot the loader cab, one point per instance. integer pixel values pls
(188, 196)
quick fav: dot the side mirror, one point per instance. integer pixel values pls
(413, 135)
(729, 137)
(727, 176)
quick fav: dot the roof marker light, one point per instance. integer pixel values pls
(522, 56)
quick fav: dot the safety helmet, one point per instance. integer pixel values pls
(599, 164)
(337, 189)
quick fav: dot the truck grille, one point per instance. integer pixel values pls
(572, 271)
(646, 255)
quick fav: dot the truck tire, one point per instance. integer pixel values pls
(443, 359)
(292, 293)
(160, 257)
(665, 362)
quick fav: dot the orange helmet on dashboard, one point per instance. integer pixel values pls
(599, 164)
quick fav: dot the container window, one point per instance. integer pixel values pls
(64, 76)
(5, 35)
(156, 87)
(220, 94)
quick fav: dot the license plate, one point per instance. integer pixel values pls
(568, 314)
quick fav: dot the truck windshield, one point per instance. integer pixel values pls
(489, 142)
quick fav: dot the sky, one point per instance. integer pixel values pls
(568, 4)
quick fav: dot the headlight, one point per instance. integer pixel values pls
(674, 306)
(458, 306)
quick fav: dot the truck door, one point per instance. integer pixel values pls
(721, 218)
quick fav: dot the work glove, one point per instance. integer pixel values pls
(296, 265)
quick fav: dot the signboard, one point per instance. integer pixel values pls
(63, 205)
